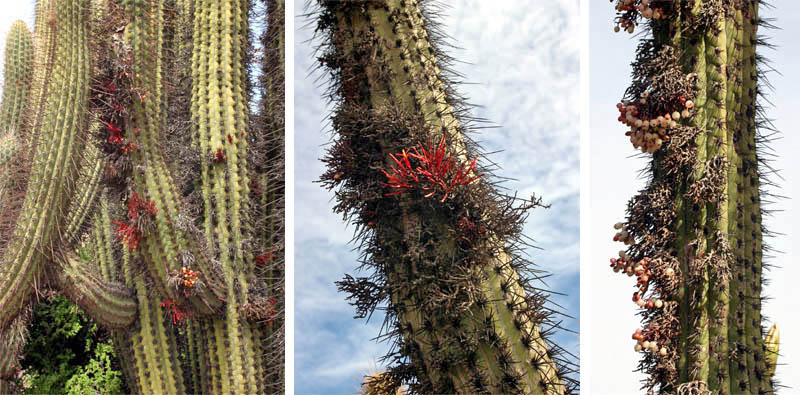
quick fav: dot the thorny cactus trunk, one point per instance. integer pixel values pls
(442, 243)
(16, 86)
(142, 146)
(694, 234)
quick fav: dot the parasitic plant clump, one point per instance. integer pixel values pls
(694, 236)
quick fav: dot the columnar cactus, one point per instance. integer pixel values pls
(442, 243)
(694, 234)
(17, 76)
(145, 149)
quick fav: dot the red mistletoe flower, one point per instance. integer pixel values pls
(139, 210)
(129, 234)
(127, 148)
(436, 171)
(219, 157)
(175, 311)
(263, 259)
(136, 204)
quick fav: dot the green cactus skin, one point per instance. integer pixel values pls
(17, 74)
(700, 215)
(53, 173)
(9, 144)
(108, 303)
(391, 87)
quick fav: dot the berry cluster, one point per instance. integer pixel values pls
(623, 236)
(629, 12)
(188, 277)
(645, 342)
(436, 170)
(650, 133)
(625, 264)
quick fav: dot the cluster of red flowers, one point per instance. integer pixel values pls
(436, 170)
(138, 209)
(138, 206)
(129, 234)
(263, 259)
(175, 311)
(116, 134)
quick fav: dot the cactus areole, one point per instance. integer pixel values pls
(694, 234)
(442, 245)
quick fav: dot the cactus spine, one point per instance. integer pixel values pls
(464, 319)
(186, 274)
(695, 232)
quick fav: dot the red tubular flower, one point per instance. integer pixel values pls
(129, 234)
(136, 203)
(112, 127)
(128, 148)
(175, 311)
(402, 176)
(436, 171)
(263, 259)
(115, 137)
(219, 157)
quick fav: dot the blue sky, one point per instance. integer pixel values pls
(613, 175)
(526, 74)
